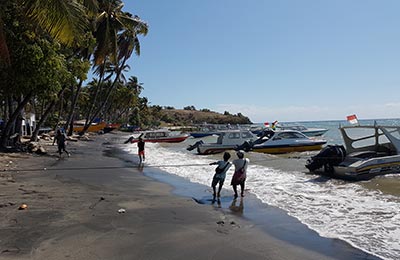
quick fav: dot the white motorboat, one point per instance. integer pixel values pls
(284, 141)
(368, 151)
(308, 131)
(227, 140)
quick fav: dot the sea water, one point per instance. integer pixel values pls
(365, 214)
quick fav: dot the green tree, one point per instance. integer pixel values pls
(117, 37)
(38, 68)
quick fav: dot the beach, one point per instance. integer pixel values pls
(98, 204)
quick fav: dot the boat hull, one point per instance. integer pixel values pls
(93, 128)
(177, 139)
(368, 169)
(207, 149)
(287, 149)
(312, 133)
(200, 135)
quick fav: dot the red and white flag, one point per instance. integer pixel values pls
(352, 119)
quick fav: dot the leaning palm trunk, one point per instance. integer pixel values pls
(97, 91)
(12, 121)
(110, 90)
(49, 108)
(69, 123)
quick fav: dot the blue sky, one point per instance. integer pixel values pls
(286, 60)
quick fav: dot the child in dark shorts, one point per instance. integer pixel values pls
(220, 174)
(140, 145)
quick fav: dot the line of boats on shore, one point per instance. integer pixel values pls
(368, 151)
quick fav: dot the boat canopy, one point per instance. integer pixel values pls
(371, 138)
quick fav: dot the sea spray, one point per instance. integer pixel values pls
(367, 219)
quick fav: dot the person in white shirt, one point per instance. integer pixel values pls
(239, 177)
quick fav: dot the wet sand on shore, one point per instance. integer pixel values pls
(73, 213)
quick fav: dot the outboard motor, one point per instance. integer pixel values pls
(331, 155)
(246, 146)
(266, 133)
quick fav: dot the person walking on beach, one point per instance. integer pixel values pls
(140, 145)
(239, 177)
(60, 139)
(220, 174)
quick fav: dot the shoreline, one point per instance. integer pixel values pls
(73, 213)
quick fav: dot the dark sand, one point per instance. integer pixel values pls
(73, 214)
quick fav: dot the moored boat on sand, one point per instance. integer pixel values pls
(95, 127)
(110, 127)
(159, 136)
(227, 140)
(368, 151)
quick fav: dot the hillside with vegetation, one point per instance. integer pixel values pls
(191, 116)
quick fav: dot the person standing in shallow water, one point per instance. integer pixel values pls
(60, 139)
(239, 177)
(220, 174)
(140, 145)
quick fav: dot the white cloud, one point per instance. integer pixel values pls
(267, 113)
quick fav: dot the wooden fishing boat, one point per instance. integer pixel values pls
(95, 127)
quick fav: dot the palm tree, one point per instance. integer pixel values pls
(117, 38)
(64, 20)
(111, 21)
(134, 84)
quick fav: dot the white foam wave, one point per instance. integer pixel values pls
(364, 218)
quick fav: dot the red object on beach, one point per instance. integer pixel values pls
(160, 136)
(266, 124)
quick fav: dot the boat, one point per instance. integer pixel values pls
(308, 131)
(211, 129)
(94, 127)
(283, 141)
(204, 131)
(159, 136)
(368, 151)
(227, 140)
(110, 127)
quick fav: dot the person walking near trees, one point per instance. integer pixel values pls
(239, 177)
(220, 174)
(60, 139)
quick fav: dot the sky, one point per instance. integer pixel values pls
(285, 60)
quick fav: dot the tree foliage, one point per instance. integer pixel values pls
(45, 53)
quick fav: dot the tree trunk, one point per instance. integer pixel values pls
(95, 97)
(11, 121)
(43, 118)
(119, 70)
(35, 133)
(69, 124)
